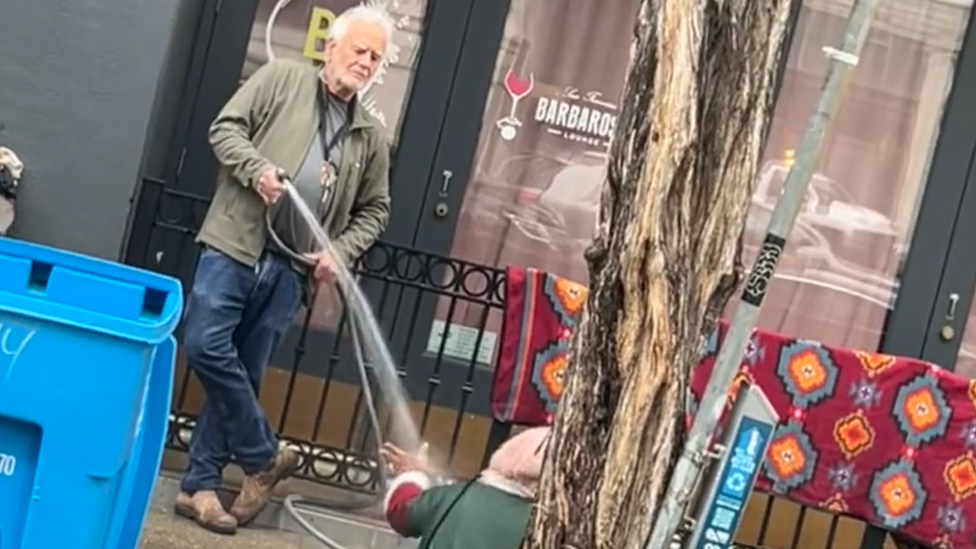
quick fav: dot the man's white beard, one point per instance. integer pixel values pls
(350, 88)
(353, 87)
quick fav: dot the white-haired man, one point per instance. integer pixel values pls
(305, 121)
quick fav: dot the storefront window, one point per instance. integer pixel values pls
(840, 276)
(533, 196)
(538, 170)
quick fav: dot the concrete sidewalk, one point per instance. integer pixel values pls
(163, 530)
(273, 528)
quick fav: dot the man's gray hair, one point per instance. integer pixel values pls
(364, 13)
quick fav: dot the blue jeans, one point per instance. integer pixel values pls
(236, 315)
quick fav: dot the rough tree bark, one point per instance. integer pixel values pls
(663, 265)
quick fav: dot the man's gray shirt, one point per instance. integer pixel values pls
(288, 223)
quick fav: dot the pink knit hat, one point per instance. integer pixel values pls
(518, 462)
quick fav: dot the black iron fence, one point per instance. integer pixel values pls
(423, 302)
(313, 395)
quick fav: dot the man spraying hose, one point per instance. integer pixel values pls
(304, 121)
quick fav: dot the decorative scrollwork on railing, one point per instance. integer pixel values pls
(318, 463)
(167, 243)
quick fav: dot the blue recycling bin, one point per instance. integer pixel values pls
(87, 356)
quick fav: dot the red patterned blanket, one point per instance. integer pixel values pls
(889, 440)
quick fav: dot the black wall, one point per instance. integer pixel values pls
(78, 83)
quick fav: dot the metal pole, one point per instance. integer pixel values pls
(675, 502)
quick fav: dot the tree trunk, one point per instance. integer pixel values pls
(663, 265)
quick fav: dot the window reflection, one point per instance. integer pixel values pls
(840, 276)
(538, 170)
(533, 196)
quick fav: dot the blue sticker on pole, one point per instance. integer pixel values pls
(724, 511)
(745, 458)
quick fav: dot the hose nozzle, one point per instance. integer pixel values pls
(283, 176)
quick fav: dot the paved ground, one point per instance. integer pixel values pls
(165, 531)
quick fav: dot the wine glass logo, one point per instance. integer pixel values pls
(517, 88)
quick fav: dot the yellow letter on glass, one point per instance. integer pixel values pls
(318, 30)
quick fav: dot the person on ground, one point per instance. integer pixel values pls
(490, 511)
(305, 121)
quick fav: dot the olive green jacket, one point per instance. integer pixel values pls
(271, 122)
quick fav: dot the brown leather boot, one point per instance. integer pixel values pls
(256, 489)
(206, 510)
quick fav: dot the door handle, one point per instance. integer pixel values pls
(446, 177)
(948, 332)
(442, 208)
(951, 309)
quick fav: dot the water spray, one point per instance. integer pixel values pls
(362, 325)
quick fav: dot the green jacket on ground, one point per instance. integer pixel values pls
(271, 121)
(475, 515)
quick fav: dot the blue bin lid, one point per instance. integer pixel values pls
(86, 292)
